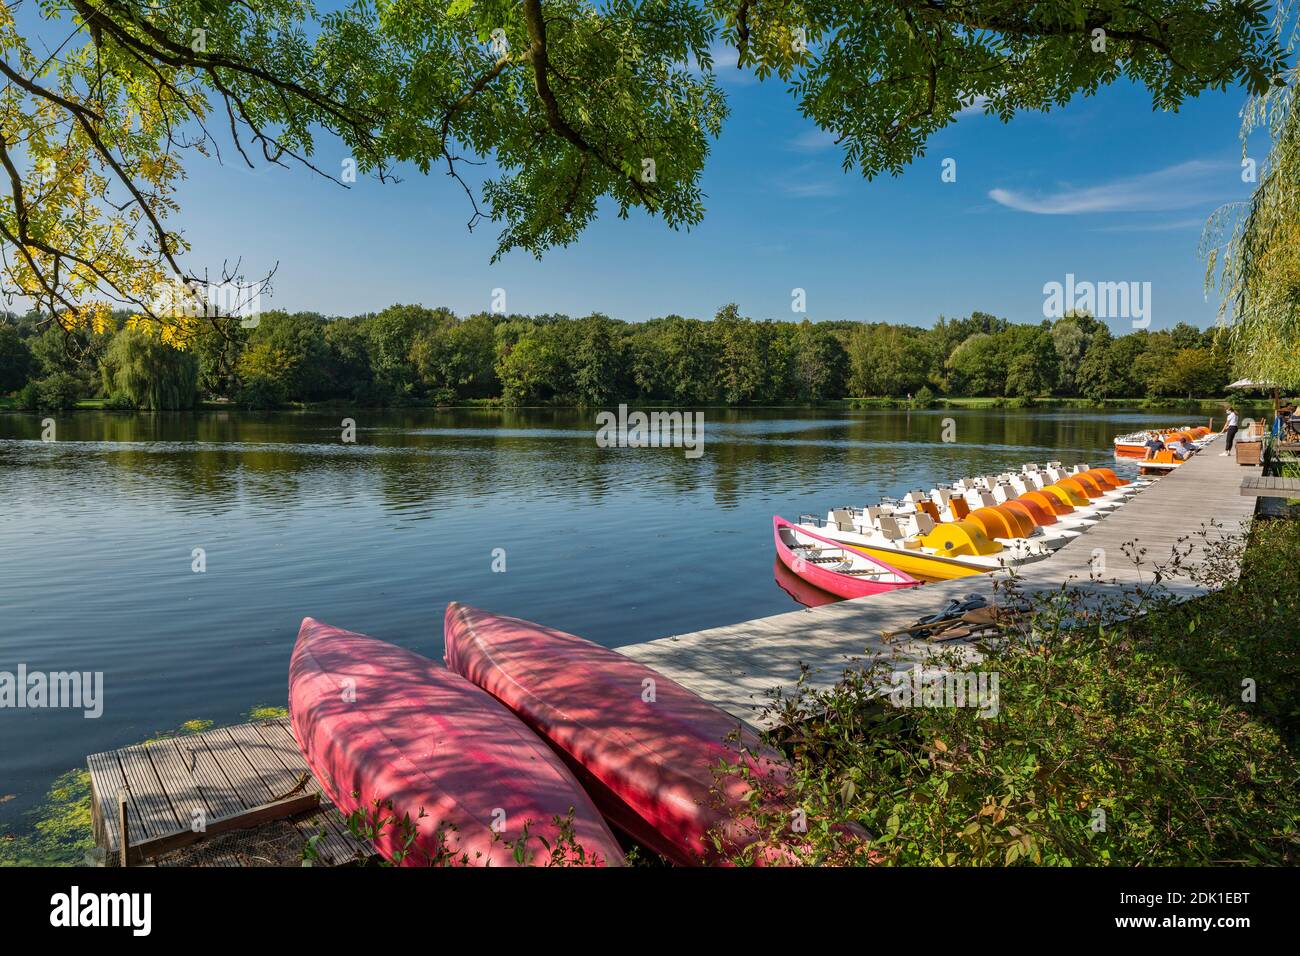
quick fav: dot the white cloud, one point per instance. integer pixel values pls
(809, 188)
(1175, 187)
(812, 141)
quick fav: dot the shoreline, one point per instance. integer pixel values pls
(865, 403)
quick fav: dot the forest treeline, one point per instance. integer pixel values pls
(409, 354)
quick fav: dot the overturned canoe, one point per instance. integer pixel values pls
(378, 724)
(646, 748)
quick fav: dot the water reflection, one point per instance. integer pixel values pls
(799, 590)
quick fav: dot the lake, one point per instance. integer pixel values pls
(99, 530)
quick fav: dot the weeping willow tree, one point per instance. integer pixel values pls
(145, 371)
(1252, 248)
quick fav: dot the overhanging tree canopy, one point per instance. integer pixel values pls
(105, 101)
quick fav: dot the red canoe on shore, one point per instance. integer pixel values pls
(645, 747)
(383, 722)
(829, 565)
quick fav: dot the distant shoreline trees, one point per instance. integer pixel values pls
(410, 354)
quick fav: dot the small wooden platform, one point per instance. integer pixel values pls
(1265, 487)
(220, 774)
(737, 667)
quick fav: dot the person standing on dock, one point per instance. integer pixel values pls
(1229, 429)
(1282, 420)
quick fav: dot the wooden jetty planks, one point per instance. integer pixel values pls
(275, 776)
(107, 782)
(336, 841)
(243, 776)
(207, 776)
(1271, 487)
(189, 798)
(151, 805)
(232, 775)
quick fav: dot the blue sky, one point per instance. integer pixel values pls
(1104, 188)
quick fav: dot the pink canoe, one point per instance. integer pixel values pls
(829, 565)
(384, 723)
(645, 747)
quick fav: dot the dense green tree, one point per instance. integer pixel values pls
(1071, 336)
(978, 366)
(298, 341)
(1034, 366)
(16, 361)
(1097, 377)
(433, 355)
(57, 392)
(145, 372)
(264, 375)
(675, 359)
(742, 359)
(533, 369)
(1150, 367)
(390, 335)
(1191, 372)
(1110, 367)
(947, 333)
(217, 348)
(457, 359)
(887, 360)
(818, 363)
(74, 353)
(595, 361)
(57, 349)
(1186, 336)
(347, 372)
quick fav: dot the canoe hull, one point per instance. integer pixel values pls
(376, 722)
(645, 746)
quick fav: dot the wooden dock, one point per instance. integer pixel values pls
(736, 667)
(232, 796)
(1266, 487)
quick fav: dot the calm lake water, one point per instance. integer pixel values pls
(98, 529)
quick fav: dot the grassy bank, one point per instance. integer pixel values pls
(1201, 407)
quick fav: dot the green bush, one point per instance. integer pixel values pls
(28, 397)
(262, 391)
(1135, 744)
(55, 392)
